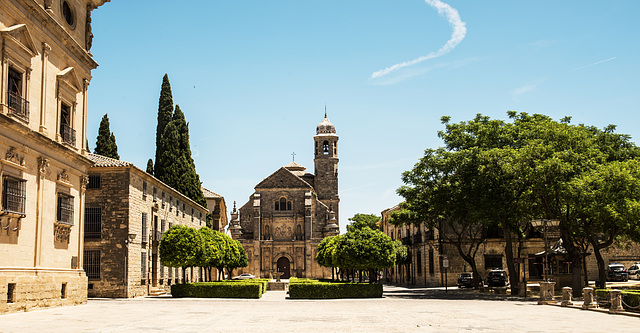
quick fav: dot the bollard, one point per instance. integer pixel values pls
(546, 293)
(587, 293)
(566, 296)
(616, 301)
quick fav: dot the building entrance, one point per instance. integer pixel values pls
(284, 267)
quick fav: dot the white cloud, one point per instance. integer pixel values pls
(459, 32)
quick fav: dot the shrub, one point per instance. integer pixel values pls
(310, 289)
(240, 289)
(262, 282)
(630, 297)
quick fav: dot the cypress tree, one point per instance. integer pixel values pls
(165, 113)
(106, 141)
(150, 166)
(189, 184)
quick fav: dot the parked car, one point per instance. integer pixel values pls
(244, 276)
(617, 272)
(634, 271)
(465, 280)
(497, 278)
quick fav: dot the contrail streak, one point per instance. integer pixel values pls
(459, 31)
(595, 63)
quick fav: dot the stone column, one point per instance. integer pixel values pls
(566, 296)
(616, 301)
(546, 293)
(587, 294)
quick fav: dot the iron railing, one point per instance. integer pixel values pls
(18, 106)
(68, 134)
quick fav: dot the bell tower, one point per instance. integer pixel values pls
(326, 165)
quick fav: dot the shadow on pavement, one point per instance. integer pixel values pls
(450, 294)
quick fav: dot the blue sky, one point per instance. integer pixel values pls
(253, 78)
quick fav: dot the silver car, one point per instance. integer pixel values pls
(634, 271)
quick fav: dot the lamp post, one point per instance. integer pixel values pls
(127, 241)
(544, 223)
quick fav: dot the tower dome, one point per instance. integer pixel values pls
(325, 126)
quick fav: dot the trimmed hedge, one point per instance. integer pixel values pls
(240, 289)
(313, 289)
(630, 297)
(263, 282)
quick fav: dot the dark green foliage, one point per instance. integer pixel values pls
(88, 149)
(215, 246)
(150, 166)
(310, 289)
(165, 113)
(218, 290)
(181, 246)
(630, 297)
(106, 141)
(365, 249)
(263, 282)
(360, 221)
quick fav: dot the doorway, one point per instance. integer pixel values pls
(284, 267)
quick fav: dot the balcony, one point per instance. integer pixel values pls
(18, 106)
(68, 134)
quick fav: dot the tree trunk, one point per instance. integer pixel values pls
(508, 252)
(602, 273)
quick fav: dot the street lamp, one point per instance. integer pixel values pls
(127, 241)
(544, 223)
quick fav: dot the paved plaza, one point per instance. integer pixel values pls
(401, 310)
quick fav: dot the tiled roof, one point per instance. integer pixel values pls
(103, 161)
(210, 194)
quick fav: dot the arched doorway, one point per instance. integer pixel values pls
(284, 267)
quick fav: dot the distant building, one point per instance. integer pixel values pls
(429, 248)
(290, 212)
(217, 208)
(126, 212)
(45, 70)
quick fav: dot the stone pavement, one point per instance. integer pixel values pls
(401, 310)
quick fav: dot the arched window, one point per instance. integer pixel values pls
(325, 147)
(277, 207)
(283, 204)
(288, 205)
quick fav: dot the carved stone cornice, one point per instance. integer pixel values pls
(63, 178)
(84, 181)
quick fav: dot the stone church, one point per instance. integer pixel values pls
(290, 212)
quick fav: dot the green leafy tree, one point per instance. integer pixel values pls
(326, 252)
(189, 184)
(181, 246)
(165, 114)
(106, 141)
(214, 248)
(150, 166)
(235, 256)
(365, 249)
(360, 221)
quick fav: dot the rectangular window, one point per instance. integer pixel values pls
(162, 199)
(144, 190)
(92, 264)
(144, 228)
(18, 105)
(94, 181)
(92, 222)
(162, 226)
(177, 207)
(67, 132)
(192, 214)
(14, 195)
(65, 209)
(492, 261)
(419, 262)
(170, 202)
(155, 194)
(170, 225)
(143, 265)
(184, 209)
(431, 264)
(11, 293)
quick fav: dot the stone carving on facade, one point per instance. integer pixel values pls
(47, 4)
(283, 231)
(13, 156)
(43, 165)
(88, 33)
(63, 176)
(61, 232)
(84, 181)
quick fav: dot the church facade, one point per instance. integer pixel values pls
(290, 212)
